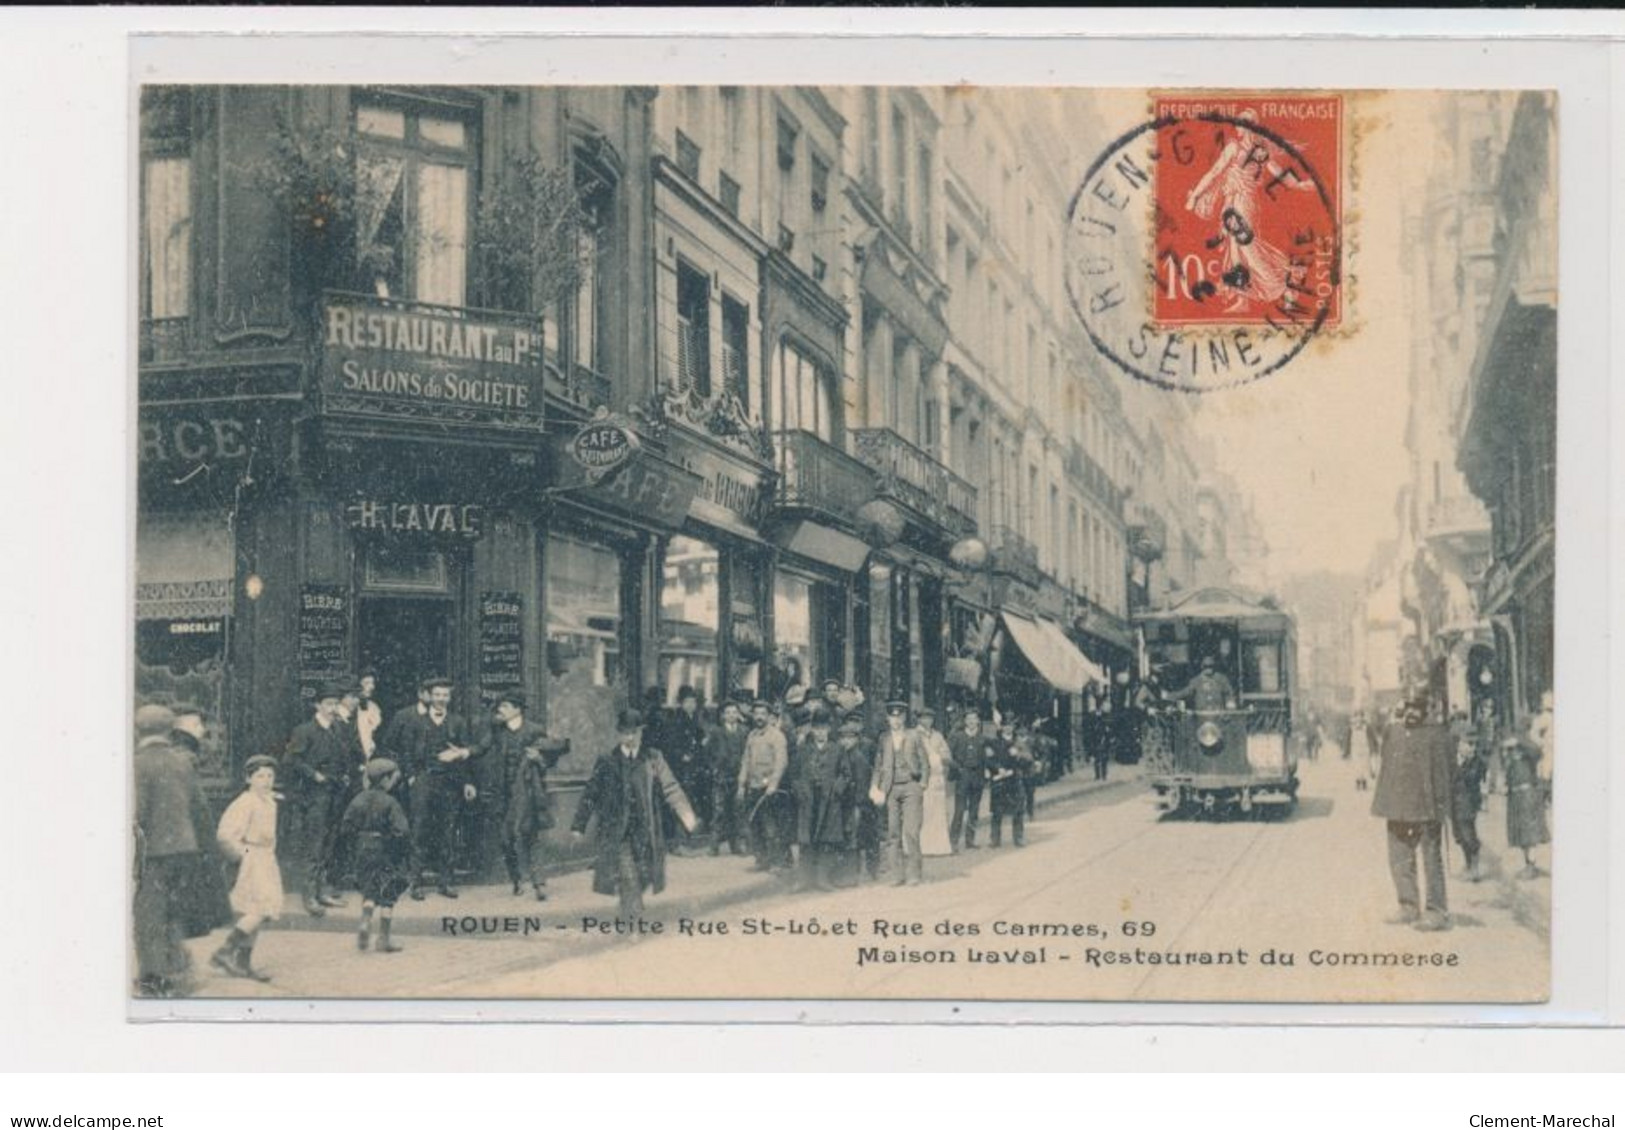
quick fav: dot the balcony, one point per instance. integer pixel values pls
(1015, 556)
(1458, 523)
(915, 479)
(575, 385)
(1082, 468)
(817, 476)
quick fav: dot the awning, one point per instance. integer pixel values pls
(1052, 655)
(827, 546)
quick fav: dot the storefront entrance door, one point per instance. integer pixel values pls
(405, 640)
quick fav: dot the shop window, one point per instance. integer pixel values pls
(745, 624)
(183, 625)
(586, 676)
(166, 205)
(736, 350)
(793, 631)
(693, 330)
(405, 569)
(690, 616)
(413, 173)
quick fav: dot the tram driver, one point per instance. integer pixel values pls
(1210, 690)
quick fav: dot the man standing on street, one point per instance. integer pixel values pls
(517, 756)
(761, 771)
(900, 775)
(172, 831)
(622, 793)
(969, 750)
(1413, 796)
(725, 751)
(322, 755)
(436, 761)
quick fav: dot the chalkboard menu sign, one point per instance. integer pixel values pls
(324, 637)
(502, 666)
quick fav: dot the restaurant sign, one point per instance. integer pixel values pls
(602, 445)
(409, 360)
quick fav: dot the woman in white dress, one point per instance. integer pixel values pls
(247, 834)
(934, 822)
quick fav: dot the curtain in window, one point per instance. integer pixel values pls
(378, 198)
(442, 233)
(169, 236)
(586, 311)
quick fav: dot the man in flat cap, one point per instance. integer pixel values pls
(1413, 796)
(901, 773)
(725, 751)
(322, 755)
(628, 787)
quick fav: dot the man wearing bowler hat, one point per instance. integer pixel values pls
(626, 784)
(901, 773)
(323, 754)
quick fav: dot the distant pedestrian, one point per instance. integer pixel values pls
(725, 750)
(628, 786)
(969, 748)
(1360, 752)
(757, 794)
(1526, 801)
(901, 774)
(375, 826)
(1467, 798)
(1005, 772)
(518, 754)
(247, 835)
(1414, 797)
(934, 839)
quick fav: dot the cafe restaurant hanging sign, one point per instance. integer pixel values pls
(383, 358)
(602, 445)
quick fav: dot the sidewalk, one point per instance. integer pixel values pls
(316, 957)
(1530, 900)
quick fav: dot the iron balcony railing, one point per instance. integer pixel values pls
(910, 476)
(1015, 556)
(816, 475)
(1083, 468)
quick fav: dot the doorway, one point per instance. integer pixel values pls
(405, 640)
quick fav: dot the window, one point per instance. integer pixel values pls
(1261, 667)
(586, 304)
(820, 269)
(690, 619)
(413, 170)
(820, 183)
(871, 134)
(693, 330)
(728, 194)
(688, 156)
(800, 393)
(586, 677)
(793, 630)
(787, 239)
(732, 117)
(922, 190)
(166, 203)
(736, 350)
(786, 135)
(899, 167)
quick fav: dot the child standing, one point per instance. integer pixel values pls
(376, 824)
(247, 834)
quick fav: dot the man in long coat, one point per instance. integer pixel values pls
(626, 782)
(969, 748)
(516, 758)
(725, 749)
(322, 758)
(173, 831)
(436, 752)
(1413, 796)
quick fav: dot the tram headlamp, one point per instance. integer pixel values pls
(1209, 737)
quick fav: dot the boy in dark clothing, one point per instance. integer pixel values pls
(375, 823)
(1007, 768)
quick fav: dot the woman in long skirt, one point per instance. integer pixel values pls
(934, 826)
(1526, 801)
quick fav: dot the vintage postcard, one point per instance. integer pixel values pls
(850, 543)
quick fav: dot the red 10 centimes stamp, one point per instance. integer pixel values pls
(1204, 246)
(1245, 187)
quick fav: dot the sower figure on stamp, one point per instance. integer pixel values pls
(322, 754)
(436, 760)
(628, 787)
(725, 750)
(375, 826)
(969, 748)
(1413, 795)
(898, 783)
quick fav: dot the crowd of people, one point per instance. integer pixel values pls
(823, 789)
